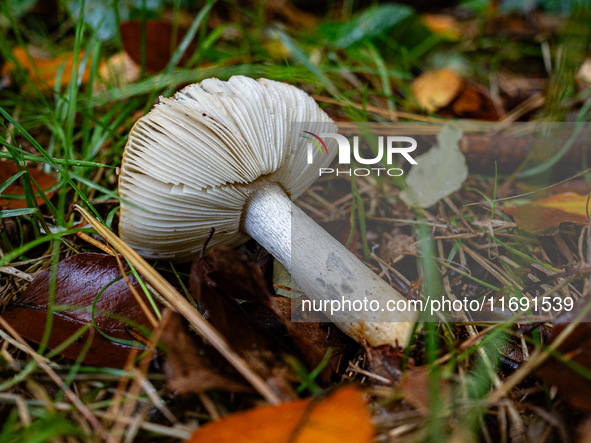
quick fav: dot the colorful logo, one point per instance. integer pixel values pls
(316, 142)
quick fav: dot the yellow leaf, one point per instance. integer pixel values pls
(436, 89)
(276, 49)
(443, 25)
(545, 215)
(342, 417)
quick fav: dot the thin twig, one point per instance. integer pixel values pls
(87, 238)
(95, 423)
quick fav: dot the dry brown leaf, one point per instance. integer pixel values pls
(118, 71)
(42, 71)
(314, 339)
(217, 280)
(296, 17)
(584, 431)
(385, 361)
(436, 89)
(159, 43)
(7, 170)
(475, 105)
(545, 215)
(189, 368)
(342, 417)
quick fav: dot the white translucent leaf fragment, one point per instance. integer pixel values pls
(439, 172)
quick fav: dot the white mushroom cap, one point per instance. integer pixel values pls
(190, 163)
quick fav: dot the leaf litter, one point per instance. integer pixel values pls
(190, 367)
(519, 406)
(8, 170)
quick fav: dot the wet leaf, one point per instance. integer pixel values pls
(436, 89)
(43, 71)
(368, 24)
(190, 367)
(159, 39)
(341, 417)
(80, 278)
(7, 170)
(438, 173)
(544, 216)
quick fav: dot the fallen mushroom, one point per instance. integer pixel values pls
(227, 155)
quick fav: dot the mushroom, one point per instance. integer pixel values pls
(228, 155)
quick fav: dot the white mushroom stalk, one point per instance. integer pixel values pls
(226, 155)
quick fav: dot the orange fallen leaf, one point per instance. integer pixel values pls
(474, 105)
(470, 101)
(342, 417)
(436, 89)
(545, 215)
(7, 170)
(443, 25)
(42, 71)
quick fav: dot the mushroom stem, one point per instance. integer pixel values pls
(324, 268)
